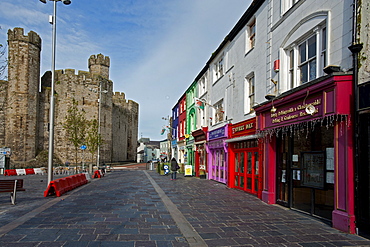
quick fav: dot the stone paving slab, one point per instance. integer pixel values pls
(124, 209)
(228, 217)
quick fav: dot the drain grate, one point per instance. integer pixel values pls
(181, 239)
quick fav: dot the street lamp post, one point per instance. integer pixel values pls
(99, 118)
(53, 22)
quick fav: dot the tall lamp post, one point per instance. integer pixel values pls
(53, 21)
(99, 118)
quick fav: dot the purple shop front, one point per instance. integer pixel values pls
(217, 154)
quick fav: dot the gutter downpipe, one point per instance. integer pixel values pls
(355, 49)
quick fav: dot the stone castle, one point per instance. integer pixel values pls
(25, 104)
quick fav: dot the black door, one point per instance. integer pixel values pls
(363, 174)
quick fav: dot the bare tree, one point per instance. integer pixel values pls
(3, 61)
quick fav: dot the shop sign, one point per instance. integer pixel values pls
(296, 112)
(188, 170)
(216, 144)
(218, 133)
(190, 142)
(174, 143)
(244, 128)
(199, 138)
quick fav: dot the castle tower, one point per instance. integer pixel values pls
(99, 65)
(23, 87)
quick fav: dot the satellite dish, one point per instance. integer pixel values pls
(310, 109)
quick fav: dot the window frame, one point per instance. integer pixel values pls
(249, 93)
(295, 65)
(286, 5)
(252, 33)
(218, 112)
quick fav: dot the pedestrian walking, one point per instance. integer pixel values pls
(174, 167)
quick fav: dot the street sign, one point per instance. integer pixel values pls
(83, 147)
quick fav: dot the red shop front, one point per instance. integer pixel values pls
(200, 157)
(244, 158)
(307, 138)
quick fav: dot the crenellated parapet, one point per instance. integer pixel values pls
(17, 34)
(119, 98)
(99, 64)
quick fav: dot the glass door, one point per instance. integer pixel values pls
(239, 177)
(219, 170)
(252, 171)
(282, 171)
(246, 175)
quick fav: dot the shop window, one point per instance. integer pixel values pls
(305, 170)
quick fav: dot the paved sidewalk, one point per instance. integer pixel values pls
(142, 208)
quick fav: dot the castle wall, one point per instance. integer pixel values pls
(84, 88)
(3, 97)
(23, 77)
(24, 119)
(125, 125)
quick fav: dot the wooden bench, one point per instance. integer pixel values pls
(12, 186)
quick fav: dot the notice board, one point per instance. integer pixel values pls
(313, 169)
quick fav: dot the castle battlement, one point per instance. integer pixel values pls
(99, 59)
(99, 65)
(69, 72)
(18, 34)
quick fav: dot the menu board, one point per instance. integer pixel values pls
(313, 169)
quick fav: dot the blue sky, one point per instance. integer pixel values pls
(156, 48)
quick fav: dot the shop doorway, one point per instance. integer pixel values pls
(246, 175)
(218, 165)
(246, 171)
(305, 171)
(363, 175)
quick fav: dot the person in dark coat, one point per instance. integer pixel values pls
(174, 168)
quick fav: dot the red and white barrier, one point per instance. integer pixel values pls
(21, 172)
